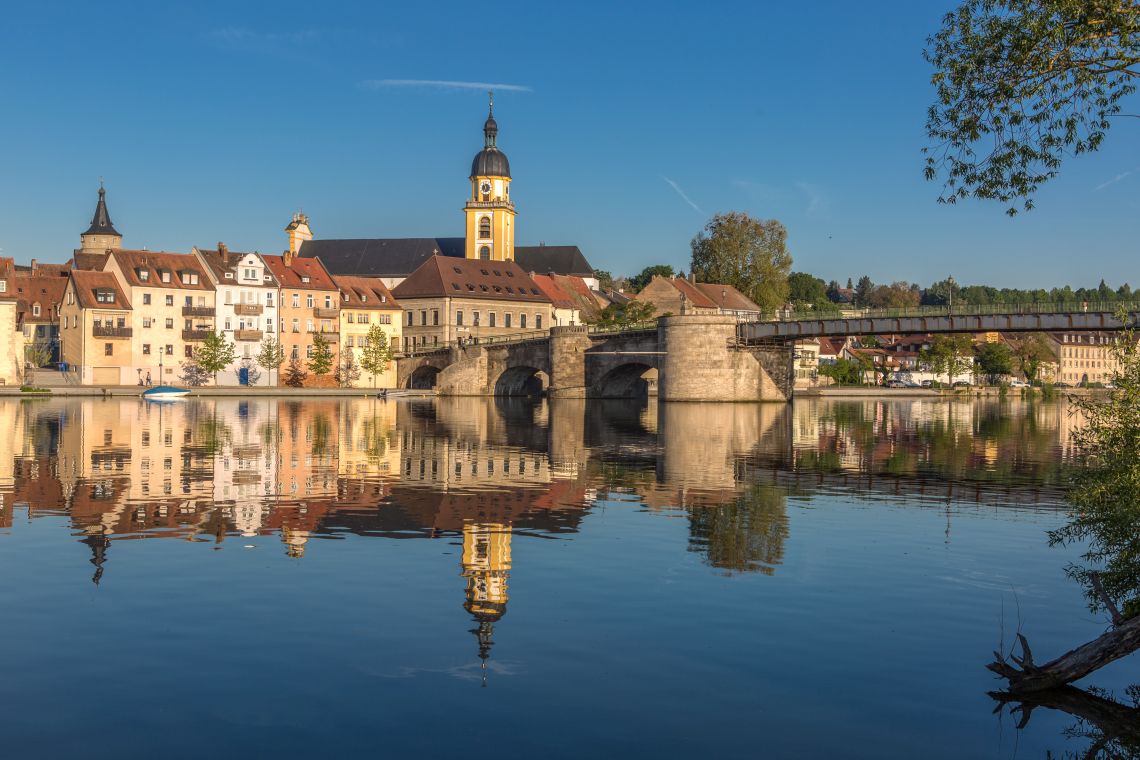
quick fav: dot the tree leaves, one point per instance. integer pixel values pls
(749, 254)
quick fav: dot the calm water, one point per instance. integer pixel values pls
(564, 579)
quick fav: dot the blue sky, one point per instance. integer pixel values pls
(631, 124)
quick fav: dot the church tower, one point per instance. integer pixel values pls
(486, 565)
(490, 213)
(298, 231)
(101, 235)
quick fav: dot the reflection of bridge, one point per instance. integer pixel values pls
(704, 357)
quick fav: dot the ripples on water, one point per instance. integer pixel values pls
(824, 579)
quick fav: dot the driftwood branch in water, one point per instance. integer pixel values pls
(1118, 642)
(1105, 599)
(1116, 722)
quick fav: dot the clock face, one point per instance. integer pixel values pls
(485, 187)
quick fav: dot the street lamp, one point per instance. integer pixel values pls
(950, 285)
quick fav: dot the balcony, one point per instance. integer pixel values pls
(197, 311)
(248, 309)
(323, 313)
(331, 332)
(248, 334)
(195, 334)
(99, 331)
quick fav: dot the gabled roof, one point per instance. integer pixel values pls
(727, 297)
(694, 295)
(133, 263)
(223, 260)
(445, 276)
(381, 257)
(831, 346)
(553, 259)
(552, 290)
(292, 276)
(364, 293)
(86, 283)
(30, 289)
(90, 261)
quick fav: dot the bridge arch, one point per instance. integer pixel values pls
(423, 378)
(627, 380)
(522, 380)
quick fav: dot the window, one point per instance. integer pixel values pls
(507, 319)
(35, 310)
(455, 286)
(409, 319)
(108, 349)
(475, 319)
(169, 323)
(328, 302)
(269, 325)
(296, 325)
(485, 252)
(309, 325)
(269, 300)
(522, 321)
(165, 275)
(189, 351)
(538, 321)
(485, 227)
(144, 275)
(250, 274)
(169, 350)
(101, 296)
(308, 352)
(459, 318)
(295, 353)
(363, 320)
(305, 278)
(296, 300)
(309, 300)
(120, 322)
(146, 349)
(491, 319)
(350, 318)
(423, 318)
(188, 301)
(170, 300)
(348, 342)
(435, 316)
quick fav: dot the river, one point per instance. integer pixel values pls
(530, 579)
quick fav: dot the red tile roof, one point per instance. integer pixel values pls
(727, 297)
(86, 283)
(292, 276)
(447, 276)
(551, 289)
(133, 263)
(364, 293)
(31, 289)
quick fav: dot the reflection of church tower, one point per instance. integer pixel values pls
(487, 566)
(96, 539)
(294, 541)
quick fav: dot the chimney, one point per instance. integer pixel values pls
(35, 266)
(224, 253)
(287, 257)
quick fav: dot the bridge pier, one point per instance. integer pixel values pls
(704, 361)
(568, 345)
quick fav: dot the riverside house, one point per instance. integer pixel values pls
(309, 304)
(364, 302)
(95, 329)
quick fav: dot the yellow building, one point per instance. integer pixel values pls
(175, 308)
(1086, 357)
(11, 342)
(365, 302)
(95, 330)
(490, 213)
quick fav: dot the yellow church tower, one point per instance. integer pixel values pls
(490, 213)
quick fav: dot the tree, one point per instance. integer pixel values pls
(749, 254)
(322, 359)
(294, 374)
(1031, 352)
(271, 356)
(897, 295)
(806, 291)
(252, 373)
(1021, 83)
(863, 291)
(347, 370)
(626, 314)
(950, 355)
(36, 354)
(638, 282)
(1105, 522)
(192, 374)
(376, 353)
(994, 361)
(215, 354)
(844, 371)
(604, 278)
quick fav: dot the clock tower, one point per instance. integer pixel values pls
(490, 213)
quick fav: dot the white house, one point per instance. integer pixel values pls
(247, 306)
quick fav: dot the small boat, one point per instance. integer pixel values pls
(165, 393)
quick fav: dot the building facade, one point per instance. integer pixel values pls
(1085, 357)
(309, 305)
(96, 330)
(365, 302)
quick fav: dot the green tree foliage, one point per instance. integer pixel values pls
(845, 371)
(897, 295)
(214, 354)
(376, 353)
(995, 360)
(863, 291)
(321, 362)
(271, 356)
(294, 374)
(625, 314)
(949, 355)
(36, 354)
(1021, 83)
(745, 535)
(347, 371)
(1030, 352)
(604, 278)
(749, 254)
(805, 290)
(1106, 491)
(638, 282)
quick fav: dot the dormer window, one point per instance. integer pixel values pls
(35, 310)
(165, 274)
(229, 275)
(3, 286)
(189, 278)
(304, 278)
(144, 275)
(250, 274)
(104, 296)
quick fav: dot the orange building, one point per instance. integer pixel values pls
(310, 304)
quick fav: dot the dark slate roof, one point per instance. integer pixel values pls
(101, 221)
(553, 259)
(383, 257)
(490, 162)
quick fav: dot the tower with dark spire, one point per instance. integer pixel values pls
(101, 235)
(490, 213)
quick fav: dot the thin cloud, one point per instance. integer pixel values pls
(816, 199)
(445, 84)
(684, 197)
(1117, 178)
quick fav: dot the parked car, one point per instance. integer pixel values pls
(1061, 385)
(961, 384)
(896, 384)
(927, 383)
(1018, 384)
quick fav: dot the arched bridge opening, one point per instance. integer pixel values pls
(522, 381)
(629, 380)
(423, 378)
